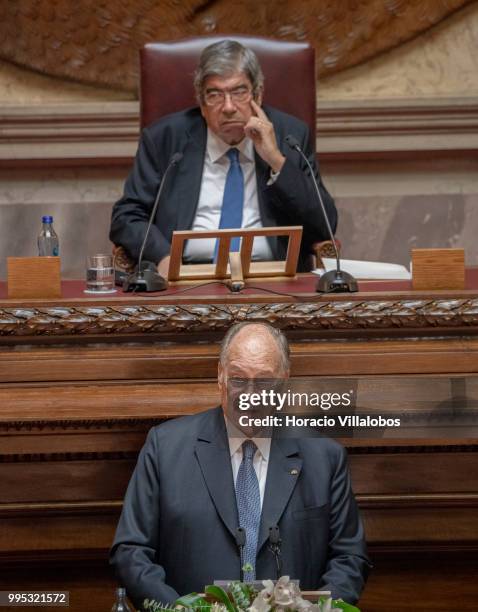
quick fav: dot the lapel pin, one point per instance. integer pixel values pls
(294, 472)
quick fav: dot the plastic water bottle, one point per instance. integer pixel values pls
(120, 605)
(48, 244)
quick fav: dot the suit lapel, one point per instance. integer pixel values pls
(189, 176)
(284, 469)
(213, 455)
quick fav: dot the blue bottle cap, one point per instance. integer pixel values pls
(47, 219)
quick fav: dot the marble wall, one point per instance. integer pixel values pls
(387, 228)
(80, 201)
(385, 208)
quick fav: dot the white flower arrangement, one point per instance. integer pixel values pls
(283, 596)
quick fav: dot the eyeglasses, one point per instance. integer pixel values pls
(216, 97)
(256, 384)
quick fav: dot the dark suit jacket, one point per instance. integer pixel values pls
(176, 531)
(291, 200)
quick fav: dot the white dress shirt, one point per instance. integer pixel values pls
(208, 213)
(260, 462)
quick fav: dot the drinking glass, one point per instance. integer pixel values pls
(100, 274)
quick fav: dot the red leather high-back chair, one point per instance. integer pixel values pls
(167, 71)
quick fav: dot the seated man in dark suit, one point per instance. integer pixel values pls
(196, 482)
(236, 170)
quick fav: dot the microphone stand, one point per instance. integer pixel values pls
(241, 542)
(334, 281)
(275, 548)
(146, 278)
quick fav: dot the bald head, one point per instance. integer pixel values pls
(254, 350)
(249, 341)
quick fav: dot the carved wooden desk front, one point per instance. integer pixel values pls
(81, 381)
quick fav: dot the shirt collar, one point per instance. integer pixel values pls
(217, 148)
(263, 445)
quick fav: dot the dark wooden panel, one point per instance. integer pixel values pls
(67, 480)
(398, 583)
(68, 531)
(409, 473)
(91, 584)
(422, 528)
(110, 362)
(74, 440)
(119, 362)
(57, 536)
(422, 581)
(64, 495)
(113, 401)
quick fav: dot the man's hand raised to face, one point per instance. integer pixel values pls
(163, 267)
(261, 131)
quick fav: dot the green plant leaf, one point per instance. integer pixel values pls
(343, 605)
(151, 605)
(241, 595)
(193, 601)
(340, 604)
(219, 594)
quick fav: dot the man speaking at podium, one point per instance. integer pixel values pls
(236, 169)
(195, 483)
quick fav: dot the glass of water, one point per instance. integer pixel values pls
(100, 274)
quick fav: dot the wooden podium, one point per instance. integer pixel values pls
(83, 378)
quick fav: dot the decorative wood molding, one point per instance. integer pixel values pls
(131, 455)
(113, 506)
(88, 425)
(62, 440)
(419, 500)
(86, 133)
(324, 315)
(69, 456)
(42, 509)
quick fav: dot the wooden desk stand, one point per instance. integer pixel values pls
(438, 269)
(231, 265)
(33, 277)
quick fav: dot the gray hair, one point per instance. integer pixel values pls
(276, 334)
(223, 59)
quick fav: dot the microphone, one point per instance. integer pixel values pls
(334, 281)
(241, 542)
(146, 277)
(275, 548)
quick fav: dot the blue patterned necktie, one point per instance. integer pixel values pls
(233, 199)
(249, 505)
